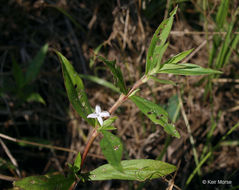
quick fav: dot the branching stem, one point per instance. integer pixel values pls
(120, 100)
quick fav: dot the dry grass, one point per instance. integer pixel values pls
(126, 33)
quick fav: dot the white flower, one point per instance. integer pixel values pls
(98, 114)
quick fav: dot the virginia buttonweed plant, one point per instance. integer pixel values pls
(111, 146)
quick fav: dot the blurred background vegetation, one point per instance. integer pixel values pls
(34, 106)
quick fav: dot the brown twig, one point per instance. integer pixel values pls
(36, 144)
(8, 178)
(13, 160)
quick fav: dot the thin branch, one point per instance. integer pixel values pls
(36, 144)
(195, 51)
(189, 131)
(13, 160)
(8, 178)
(181, 33)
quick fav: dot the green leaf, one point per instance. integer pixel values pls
(77, 163)
(75, 89)
(162, 80)
(17, 73)
(156, 114)
(222, 13)
(225, 47)
(100, 82)
(116, 73)
(107, 128)
(107, 124)
(35, 65)
(157, 57)
(96, 51)
(164, 30)
(152, 46)
(135, 91)
(49, 182)
(187, 69)
(139, 170)
(167, 27)
(231, 48)
(35, 97)
(173, 108)
(112, 148)
(175, 59)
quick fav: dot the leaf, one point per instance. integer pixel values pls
(116, 73)
(162, 80)
(175, 59)
(49, 182)
(107, 124)
(156, 114)
(187, 69)
(232, 47)
(17, 73)
(152, 46)
(222, 13)
(35, 65)
(173, 108)
(35, 97)
(158, 55)
(75, 89)
(112, 148)
(96, 51)
(164, 30)
(77, 163)
(139, 170)
(167, 28)
(225, 47)
(100, 82)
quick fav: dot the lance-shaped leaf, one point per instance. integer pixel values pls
(187, 69)
(156, 114)
(116, 73)
(175, 59)
(164, 30)
(75, 89)
(77, 163)
(163, 81)
(107, 124)
(222, 13)
(229, 44)
(18, 74)
(157, 57)
(35, 65)
(35, 97)
(100, 81)
(139, 170)
(49, 182)
(112, 148)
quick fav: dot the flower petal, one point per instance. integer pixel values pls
(104, 114)
(100, 120)
(97, 109)
(92, 115)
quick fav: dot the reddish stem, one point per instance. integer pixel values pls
(120, 100)
(94, 134)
